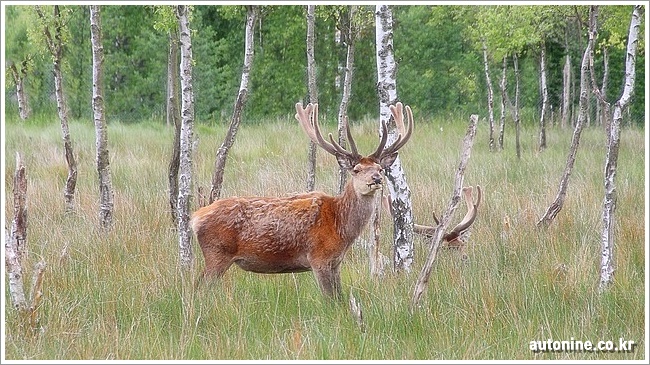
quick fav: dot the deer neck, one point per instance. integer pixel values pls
(354, 212)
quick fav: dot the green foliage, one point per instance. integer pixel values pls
(438, 49)
(135, 63)
(122, 296)
(165, 18)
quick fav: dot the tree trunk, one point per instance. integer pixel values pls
(101, 134)
(55, 46)
(350, 35)
(514, 108)
(566, 92)
(609, 202)
(490, 96)
(544, 91)
(602, 106)
(172, 79)
(515, 117)
(19, 79)
(557, 204)
(15, 253)
(222, 153)
(313, 91)
(15, 242)
(399, 190)
(187, 126)
(504, 97)
(174, 119)
(604, 115)
(466, 152)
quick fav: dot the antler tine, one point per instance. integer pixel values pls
(303, 115)
(404, 136)
(353, 153)
(384, 137)
(470, 216)
(353, 146)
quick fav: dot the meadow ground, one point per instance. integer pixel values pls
(122, 295)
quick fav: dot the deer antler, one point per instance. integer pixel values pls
(470, 216)
(454, 235)
(308, 118)
(402, 137)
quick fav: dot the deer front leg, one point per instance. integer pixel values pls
(329, 281)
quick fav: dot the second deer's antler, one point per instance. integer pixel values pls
(453, 237)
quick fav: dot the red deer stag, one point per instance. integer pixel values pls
(454, 238)
(303, 232)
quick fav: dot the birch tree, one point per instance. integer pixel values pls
(490, 95)
(502, 116)
(19, 54)
(187, 126)
(222, 153)
(349, 34)
(167, 22)
(101, 133)
(611, 159)
(16, 252)
(313, 91)
(19, 75)
(399, 189)
(53, 30)
(566, 91)
(558, 203)
(544, 91)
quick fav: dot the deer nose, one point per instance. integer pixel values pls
(376, 179)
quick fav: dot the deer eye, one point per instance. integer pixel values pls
(356, 170)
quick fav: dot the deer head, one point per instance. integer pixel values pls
(366, 171)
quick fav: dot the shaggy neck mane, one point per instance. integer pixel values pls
(354, 212)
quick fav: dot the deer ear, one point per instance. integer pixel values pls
(387, 161)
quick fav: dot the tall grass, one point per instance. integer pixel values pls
(122, 295)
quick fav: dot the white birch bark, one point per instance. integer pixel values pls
(229, 140)
(347, 90)
(173, 119)
(14, 274)
(15, 241)
(490, 96)
(566, 92)
(313, 91)
(515, 117)
(187, 126)
(19, 79)
(101, 133)
(544, 91)
(397, 186)
(609, 202)
(602, 106)
(55, 46)
(502, 85)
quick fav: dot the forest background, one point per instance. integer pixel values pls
(438, 50)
